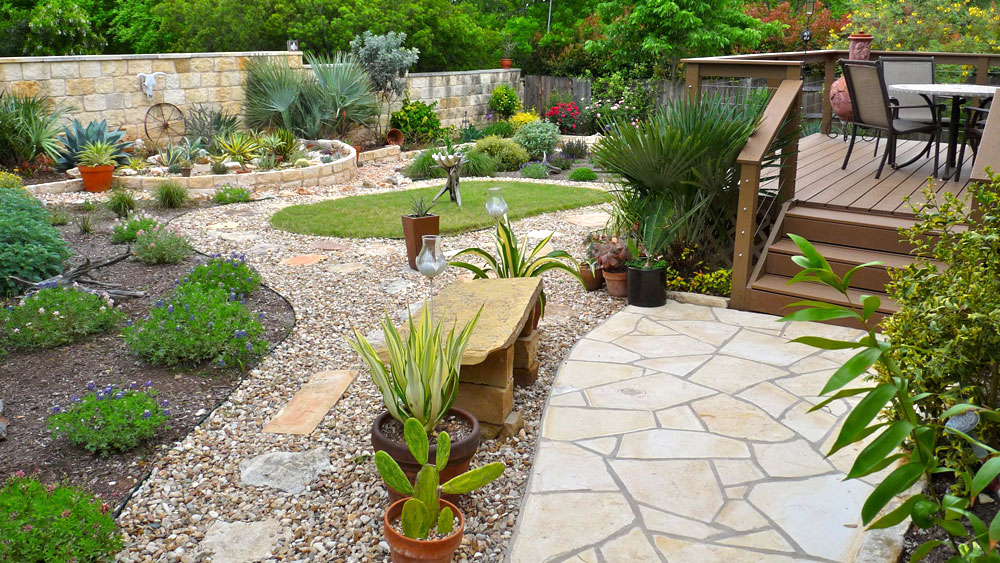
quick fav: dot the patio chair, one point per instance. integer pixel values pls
(874, 109)
(975, 124)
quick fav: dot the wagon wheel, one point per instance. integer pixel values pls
(164, 123)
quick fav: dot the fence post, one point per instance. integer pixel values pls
(693, 81)
(746, 224)
(982, 71)
(829, 75)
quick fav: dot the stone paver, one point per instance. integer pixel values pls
(687, 428)
(311, 403)
(304, 259)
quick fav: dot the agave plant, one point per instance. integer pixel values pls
(423, 512)
(99, 153)
(514, 261)
(172, 154)
(76, 136)
(421, 380)
(239, 146)
(29, 126)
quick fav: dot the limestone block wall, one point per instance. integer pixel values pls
(461, 93)
(106, 86)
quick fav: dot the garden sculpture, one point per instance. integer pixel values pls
(452, 164)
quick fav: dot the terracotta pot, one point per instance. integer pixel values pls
(414, 229)
(406, 550)
(243, 170)
(859, 46)
(617, 283)
(647, 288)
(357, 153)
(186, 172)
(840, 100)
(458, 462)
(96, 178)
(592, 280)
(394, 137)
(506, 63)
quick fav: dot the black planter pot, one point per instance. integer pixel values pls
(647, 288)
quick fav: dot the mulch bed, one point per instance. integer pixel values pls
(564, 174)
(915, 537)
(33, 382)
(45, 176)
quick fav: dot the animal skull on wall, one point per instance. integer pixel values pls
(148, 82)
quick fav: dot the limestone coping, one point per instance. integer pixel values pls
(152, 56)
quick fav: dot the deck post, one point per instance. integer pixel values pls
(789, 152)
(982, 71)
(829, 75)
(693, 81)
(746, 219)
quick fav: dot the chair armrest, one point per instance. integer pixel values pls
(982, 111)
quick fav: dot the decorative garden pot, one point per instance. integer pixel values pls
(617, 283)
(458, 462)
(186, 172)
(406, 550)
(414, 229)
(647, 288)
(506, 63)
(357, 153)
(840, 100)
(592, 280)
(96, 178)
(394, 137)
(859, 46)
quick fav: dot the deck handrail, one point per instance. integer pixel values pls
(781, 115)
(988, 155)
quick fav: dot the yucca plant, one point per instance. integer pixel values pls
(97, 153)
(513, 259)
(423, 512)
(421, 380)
(29, 127)
(239, 146)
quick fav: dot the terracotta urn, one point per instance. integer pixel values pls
(859, 46)
(840, 100)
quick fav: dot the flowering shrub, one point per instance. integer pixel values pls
(565, 116)
(822, 23)
(231, 194)
(196, 325)
(110, 419)
(126, 229)
(10, 181)
(575, 149)
(50, 523)
(56, 316)
(160, 245)
(231, 275)
(538, 138)
(507, 154)
(535, 170)
(504, 101)
(616, 98)
(522, 117)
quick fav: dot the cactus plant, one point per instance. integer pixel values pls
(301, 163)
(423, 513)
(74, 138)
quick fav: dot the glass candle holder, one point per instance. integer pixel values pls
(496, 206)
(431, 261)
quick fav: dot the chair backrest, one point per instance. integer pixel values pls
(909, 70)
(869, 98)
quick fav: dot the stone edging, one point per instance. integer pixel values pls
(698, 299)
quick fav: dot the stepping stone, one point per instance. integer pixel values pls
(238, 237)
(221, 226)
(346, 268)
(285, 471)
(397, 287)
(308, 407)
(330, 245)
(303, 259)
(594, 220)
(541, 234)
(238, 542)
(263, 249)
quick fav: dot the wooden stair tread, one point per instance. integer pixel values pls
(777, 284)
(847, 255)
(806, 211)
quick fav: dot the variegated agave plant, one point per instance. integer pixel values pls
(514, 261)
(421, 380)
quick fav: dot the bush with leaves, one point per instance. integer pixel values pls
(230, 274)
(575, 149)
(507, 154)
(522, 117)
(417, 121)
(61, 27)
(160, 245)
(535, 170)
(502, 129)
(55, 316)
(582, 174)
(504, 101)
(110, 419)
(231, 194)
(30, 247)
(54, 523)
(538, 138)
(478, 164)
(386, 61)
(125, 230)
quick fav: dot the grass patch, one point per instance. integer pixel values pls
(377, 215)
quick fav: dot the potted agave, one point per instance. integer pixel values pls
(591, 273)
(96, 163)
(422, 527)
(418, 223)
(611, 254)
(421, 383)
(647, 282)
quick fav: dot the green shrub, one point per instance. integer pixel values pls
(575, 149)
(231, 194)
(29, 128)
(538, 138)
(231, 275)
(417, 120)
(30, 248)
(195, 326)
(121, 202)
(504, 101)
(583, 174)
(219, 167)
(479, 164)
(535, 170)
(507, 154)
(10, 181)
(109, 419)
(502, 129)
(56, 316)
(54, 523)
(561, 162)
(717, 282)
(126, 230)
(58, 216)
(160, 245)
(171, 195)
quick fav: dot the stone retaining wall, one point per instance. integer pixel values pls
(461, 94)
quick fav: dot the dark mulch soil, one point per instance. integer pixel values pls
(456, 427)
(564, 174)
(31, 383)
(915, 537)
(44, 177)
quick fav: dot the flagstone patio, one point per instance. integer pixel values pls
(682, 434)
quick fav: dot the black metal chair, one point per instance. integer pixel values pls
(874, 109)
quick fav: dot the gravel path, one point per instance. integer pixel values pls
(338, 518)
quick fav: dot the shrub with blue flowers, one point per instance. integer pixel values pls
(110, 419)
(230, 274)
(535, 170)
(55, 316)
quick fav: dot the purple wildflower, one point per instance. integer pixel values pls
(146, 414)
(164, 403)
(149, 383)
(249, 346)
(90, 386)
(56, 409)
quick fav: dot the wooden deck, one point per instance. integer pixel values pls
(821, 183)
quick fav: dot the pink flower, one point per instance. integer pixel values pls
(104, 508)
(27, 527)
(65, 513)
(20, 473)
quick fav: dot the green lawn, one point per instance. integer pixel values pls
(377, 215)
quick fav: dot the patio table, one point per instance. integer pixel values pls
(957, 93)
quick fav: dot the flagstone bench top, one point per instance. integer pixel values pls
(507, 305)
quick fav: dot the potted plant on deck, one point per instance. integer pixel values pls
(96, 163)
(591, 273)
(420, 382)
(418, 223)
(410, 522)
(647, 283)
(611, 254)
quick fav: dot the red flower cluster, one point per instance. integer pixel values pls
(565, 116)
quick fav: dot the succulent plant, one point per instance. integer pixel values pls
(98, 153)
(75, 137)
(172, 154)
(423, 513)
(301, 163)
(219, 167)
(174, 168)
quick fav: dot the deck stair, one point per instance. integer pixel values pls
(846, 239)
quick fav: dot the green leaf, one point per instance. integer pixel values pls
(472, 480)
(953, 527)
(898, 481)
(994, 532)
(446, 521)
(902, 512)
(392, 474)
(815, 258)
(870, 304)
(850, 273)
(989, 471)
(416, 439)
(957, 410)
(415, 520)
(843, 393)
(924, 549)
(819, 315)
(880, 448)
(827, 344)
(858, 364)
(864, 412)
(443, 450)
